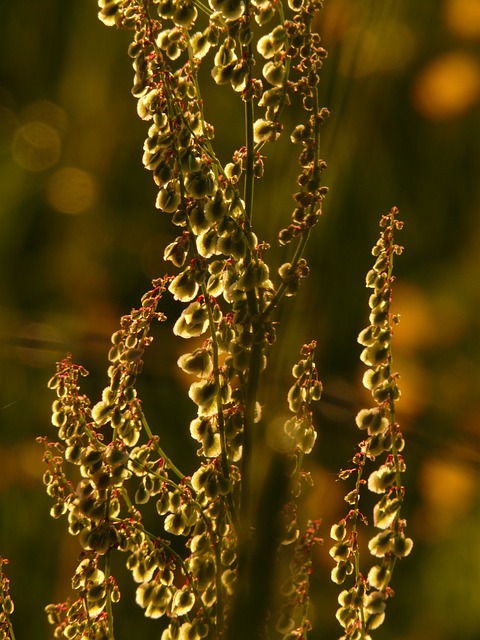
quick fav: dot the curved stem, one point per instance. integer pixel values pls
(158, 448)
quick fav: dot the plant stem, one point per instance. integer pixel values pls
(159, 449)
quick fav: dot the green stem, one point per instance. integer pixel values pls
(280, 292)
(249, 119)
(109, 597)
(158, 448)
(248, 431)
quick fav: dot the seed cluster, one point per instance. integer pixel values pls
(229, 297)
(6, 604)
(362, 606)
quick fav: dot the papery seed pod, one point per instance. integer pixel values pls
(163, 504)
(175, 523)
(374, 377)
(183, 286)
(265, 14)
(204, 572)
(274, 73)
(73, 453)
(200, 44)
(340, 572)
(380, 544)
(230, 9)
(264, 131)
(401, 546)
(198, 363)
(379, 576)
(371, 419)
(167, 200)
(339, 531)
(296, 396)
(381, 479)
(199, 184)
(215, 208)
(374, 621)
(207, 243)
(163, 173)
(192, 322)
(205, 394)
(182, 601)
(340, 551)
(375, 354)
(185, 15)
(142, 496)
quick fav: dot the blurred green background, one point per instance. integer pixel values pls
(80, 240)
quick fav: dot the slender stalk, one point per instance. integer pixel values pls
(109, 596)
(158, 448)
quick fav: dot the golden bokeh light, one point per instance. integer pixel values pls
(71, 190)
(448, 490)
(462, 17)
(36, 146)
(447, 86)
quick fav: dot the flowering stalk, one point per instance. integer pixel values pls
(6, 605)
(363, 604)
(107, 461)
(229, 300)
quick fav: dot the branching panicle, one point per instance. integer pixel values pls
(108, 461)
(229, 299)
(363, 604)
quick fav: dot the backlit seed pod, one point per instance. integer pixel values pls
(233, 245)
(192, 322)
(301, 133)
(265, 14)
(373, 377)
(230, 9)
(163, 504)
(371, 419)
(183, 286)
(215, 208)
(266, 46)
(204, 571)
(175, 523)
(379, 576)
(183, 601)
(163, 173)
(207, 243)
(376, 620)
(380, 544)
(382, 479)
(167, 200)
(264, 131)
(339, 573)
(185, 15)
(198, 220)
(199, 184)
(340, 551)
(401, 546)
(274, 73)
(339, 531)
(386, 391)
(379, 316)
(200, 44)
(375, 354)
(73, 453)
(205, 394)
(142, 496)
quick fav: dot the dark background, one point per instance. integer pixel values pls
(80, 240)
